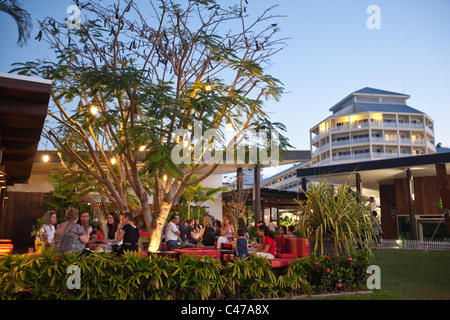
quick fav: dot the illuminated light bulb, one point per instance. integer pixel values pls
(229, 126)
(185, 143)
(165, 178)
(141, 148)
(45, 158)
(208, 87)
(94, 110)
(113, 161)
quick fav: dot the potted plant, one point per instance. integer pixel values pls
(334, 220)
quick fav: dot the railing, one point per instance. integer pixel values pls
(414, 244)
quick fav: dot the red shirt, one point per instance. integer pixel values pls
(268, 241)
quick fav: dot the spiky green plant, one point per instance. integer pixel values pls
(335, 213)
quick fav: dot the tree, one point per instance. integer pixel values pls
(132, 84)
(20, 16)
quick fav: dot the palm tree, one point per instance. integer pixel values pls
(22, 18)
(206, 194)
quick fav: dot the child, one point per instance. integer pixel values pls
(241, 245)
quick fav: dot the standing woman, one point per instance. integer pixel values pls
(49, 220)
(128, 233)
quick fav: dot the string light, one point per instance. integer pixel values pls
(229, 126)
(94, 110)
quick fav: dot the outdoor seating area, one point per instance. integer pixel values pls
(288, 249)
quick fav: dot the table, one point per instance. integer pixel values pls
(171, 254)
(228, 253)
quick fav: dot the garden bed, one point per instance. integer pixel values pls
(104, 276)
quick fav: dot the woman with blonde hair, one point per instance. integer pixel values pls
(207, 234)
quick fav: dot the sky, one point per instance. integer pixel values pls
(330, 52)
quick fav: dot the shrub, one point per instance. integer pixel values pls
(104, 276)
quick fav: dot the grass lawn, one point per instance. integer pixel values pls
(409, 275)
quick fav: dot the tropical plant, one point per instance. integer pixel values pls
(45, 276)
(331, 213)
(20, 16)
(135, 82)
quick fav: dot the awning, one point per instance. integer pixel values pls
(23, 108)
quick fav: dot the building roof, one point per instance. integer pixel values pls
(368, 90)
(381, 107)
(377, 172)
(284, 171)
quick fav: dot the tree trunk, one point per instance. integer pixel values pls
(157, 226)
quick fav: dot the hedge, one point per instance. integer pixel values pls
(132, 277)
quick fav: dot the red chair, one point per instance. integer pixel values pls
(6, 248)
(297, 246)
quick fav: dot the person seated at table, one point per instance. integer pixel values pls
(112, 228)
(128, 233)
(190, 233)
(282, 231)
(217, 228)
(173, 232)
(226, 233)
(267, 249)
(290, 232)
(241, 245)
(260, 245)
(207, 234)
(85, 223)
(70, 236)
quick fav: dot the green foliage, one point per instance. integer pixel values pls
(335, 213)
(106, 276)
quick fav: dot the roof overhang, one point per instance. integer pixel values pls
(289, 157)
(377, 172)
(23, 108)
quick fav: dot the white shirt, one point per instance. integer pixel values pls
(49, 232)
(170, 231)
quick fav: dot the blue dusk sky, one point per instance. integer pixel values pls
(330, 52)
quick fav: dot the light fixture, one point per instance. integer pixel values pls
(113, 161)
(165, 178)
(141, 148)
(229, 126)
(208, 86)
(45, 158)
(94, 110)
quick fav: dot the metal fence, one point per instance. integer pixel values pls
(414, 244)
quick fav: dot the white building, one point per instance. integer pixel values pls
(371, 124)
(368, 124)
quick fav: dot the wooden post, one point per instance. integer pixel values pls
(412, 218)
(304, 184)
(239, 180)
(358, 187)
(444, 191)
(257, 193)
